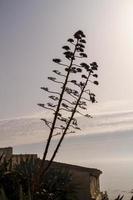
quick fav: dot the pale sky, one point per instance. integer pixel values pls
(32, 33)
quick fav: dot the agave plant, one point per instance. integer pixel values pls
(59, 183)
(11, 182)
(56, 185)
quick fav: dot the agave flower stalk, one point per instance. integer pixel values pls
(73, 79)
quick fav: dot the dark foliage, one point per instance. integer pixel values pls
(17, 182)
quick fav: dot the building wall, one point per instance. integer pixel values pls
(88, 185)
(82, 180)
(18, 158)
(6, 153)
(86, 179)
(94, 186)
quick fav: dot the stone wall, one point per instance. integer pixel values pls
(87, 180)
(18, 158)
(6, 153)
(94, 186)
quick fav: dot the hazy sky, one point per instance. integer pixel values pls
(32, 33)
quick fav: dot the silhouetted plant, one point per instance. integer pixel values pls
(9, 184)
(17, 183)
(74, 94)
(58, 183)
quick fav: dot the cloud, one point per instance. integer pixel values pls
(108, 118)
(27, 130)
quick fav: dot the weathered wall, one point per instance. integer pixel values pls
(94, 186)
(17, 158)
(6, 152)
(86, 179)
